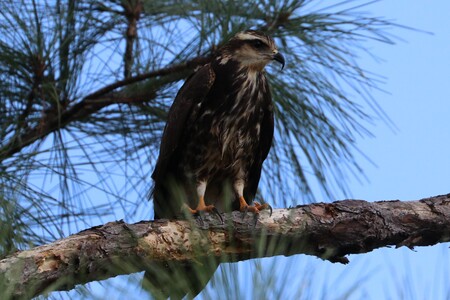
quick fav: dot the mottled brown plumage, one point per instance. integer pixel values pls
(219, 131)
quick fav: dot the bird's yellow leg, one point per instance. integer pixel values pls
(201, 206)
(243, 206)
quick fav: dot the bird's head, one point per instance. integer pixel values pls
(252, 49)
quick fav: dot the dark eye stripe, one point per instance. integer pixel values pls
(258, 44)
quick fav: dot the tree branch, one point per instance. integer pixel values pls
(132, 11)
(88, 105)
(326, 230)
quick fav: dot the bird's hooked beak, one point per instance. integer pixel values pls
(279, 58)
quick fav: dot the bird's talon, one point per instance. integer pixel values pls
(215, 211)
(199, 212)
(255, 218)
(259, 207)
(198, 216)
(244, 212)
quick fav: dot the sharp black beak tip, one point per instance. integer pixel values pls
(279, 58)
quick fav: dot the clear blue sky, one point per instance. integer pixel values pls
(412, 162)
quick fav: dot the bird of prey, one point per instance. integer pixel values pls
(219, 132)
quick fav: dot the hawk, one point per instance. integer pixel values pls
(219, 132)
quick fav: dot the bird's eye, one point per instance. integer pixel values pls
(258, 44)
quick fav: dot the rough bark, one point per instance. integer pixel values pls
(326, 230)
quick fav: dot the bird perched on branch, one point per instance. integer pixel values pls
(219, 132)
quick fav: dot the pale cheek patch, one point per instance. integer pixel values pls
(248, 57)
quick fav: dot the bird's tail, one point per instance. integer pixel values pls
(176, 280)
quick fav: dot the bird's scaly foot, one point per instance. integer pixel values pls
(201, 208)
(255, 208)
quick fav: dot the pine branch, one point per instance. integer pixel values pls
(326, 230)
(132, 12)
(54, 120)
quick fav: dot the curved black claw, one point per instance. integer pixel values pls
(270, 208)
(215, 211)
(198, 216)
(244, 213)
(255, 219)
